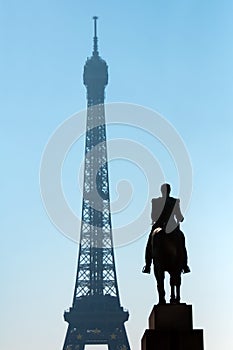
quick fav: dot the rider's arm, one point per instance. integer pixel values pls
(177, 212)
(148, 253)
(154, 210)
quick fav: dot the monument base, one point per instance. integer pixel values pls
(172, 340)
(171, 328)
(172, 317)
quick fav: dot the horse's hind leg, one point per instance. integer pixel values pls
(178, 284)
(159, 275)
(173, 297)
(178, 294)
(172, 285)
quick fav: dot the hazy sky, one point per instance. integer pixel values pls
(173, 57)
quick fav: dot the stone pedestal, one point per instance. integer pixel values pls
(171, 328)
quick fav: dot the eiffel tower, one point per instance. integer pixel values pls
(96, 316)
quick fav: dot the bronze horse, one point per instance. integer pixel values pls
(166, 253)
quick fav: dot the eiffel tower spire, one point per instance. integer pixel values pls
(95, 39)
(96, 316)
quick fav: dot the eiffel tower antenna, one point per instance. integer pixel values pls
(95, 39)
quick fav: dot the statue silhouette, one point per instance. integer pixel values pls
(166, 244)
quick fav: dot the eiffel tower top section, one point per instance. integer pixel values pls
(95, 75)
(96, 267)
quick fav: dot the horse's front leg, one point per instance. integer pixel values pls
(172, 297)
(160, 275)
(178, 294)
(178, 284)
(175, 282)
(172, 285)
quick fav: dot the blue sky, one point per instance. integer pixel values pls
(175, 58)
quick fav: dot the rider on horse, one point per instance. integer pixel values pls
(166, 216)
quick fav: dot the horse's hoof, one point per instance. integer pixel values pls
(162, 302)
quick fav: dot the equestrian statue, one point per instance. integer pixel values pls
(166, 244)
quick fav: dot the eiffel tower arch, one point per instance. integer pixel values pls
(96, 316)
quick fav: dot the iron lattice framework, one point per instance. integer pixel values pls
(96, 316)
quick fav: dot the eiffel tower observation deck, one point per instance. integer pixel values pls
(96, 316)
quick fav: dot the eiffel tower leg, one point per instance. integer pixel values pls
(66, 342)
(77, 345)
(73, 340)
(121, 340)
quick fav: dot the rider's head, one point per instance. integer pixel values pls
(165, 189)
